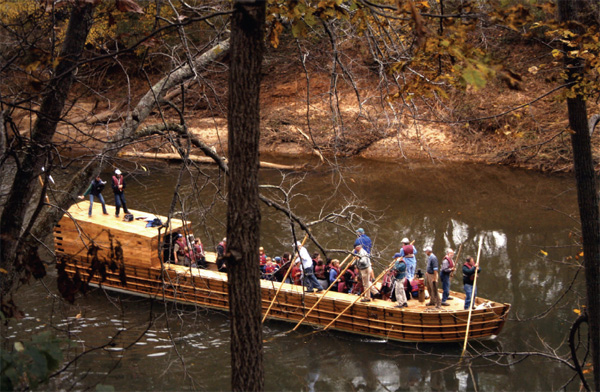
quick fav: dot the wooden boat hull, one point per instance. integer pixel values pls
(208, 288)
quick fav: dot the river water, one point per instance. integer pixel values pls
(137, 344)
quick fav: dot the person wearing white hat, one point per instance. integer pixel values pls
(408, 251)
(118, 186)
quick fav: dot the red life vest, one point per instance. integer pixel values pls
(450, 262)
(409, 250)
(182, 245)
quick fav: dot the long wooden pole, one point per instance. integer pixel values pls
(456, 259)
(360, 296)
(472, 299)
(284, 278)
(326, 291)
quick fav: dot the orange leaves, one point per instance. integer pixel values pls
(274, 33)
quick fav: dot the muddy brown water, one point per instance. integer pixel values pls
(139, 344)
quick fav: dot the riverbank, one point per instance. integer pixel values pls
(518, 124)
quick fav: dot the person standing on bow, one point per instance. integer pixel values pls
(432, 278)
(363, 240)
(308, 274)
(469, 269)
(408, 252)
(445, 272)
(118, 186)
(95, 190)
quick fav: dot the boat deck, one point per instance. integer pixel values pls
(456, 304)
(79, 212)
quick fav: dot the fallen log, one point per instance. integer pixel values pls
(167, 156)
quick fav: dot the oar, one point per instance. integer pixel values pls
(456, 259)
(359, 297)
(283, 281)
(472, 299)
(326, 291)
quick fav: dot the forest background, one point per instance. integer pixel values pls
(438, 80)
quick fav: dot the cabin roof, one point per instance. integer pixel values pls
(79, 212)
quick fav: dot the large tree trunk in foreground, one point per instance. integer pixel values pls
(587, 191)
(243, 215)
(36, 153)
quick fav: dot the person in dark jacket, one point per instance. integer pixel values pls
(469, 268)
(432, 275)
(95, 190)
(118, 186)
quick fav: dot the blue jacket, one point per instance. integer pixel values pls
(365, 242)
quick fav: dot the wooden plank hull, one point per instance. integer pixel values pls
(208, 288)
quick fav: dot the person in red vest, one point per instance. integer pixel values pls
(118, 186)
(448, 267)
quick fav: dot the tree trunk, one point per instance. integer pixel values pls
(40, 146)
(243, 214)
(587, 191)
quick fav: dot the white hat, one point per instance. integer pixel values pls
(427, 249)
(117, 172)
(405, 240)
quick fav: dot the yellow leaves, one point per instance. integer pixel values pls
(533, 70)
(543, 252)
(577, 311)
(3, 271)
(557, 54)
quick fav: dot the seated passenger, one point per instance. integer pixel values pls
(334, 271)
(198, 253)
(182, 252)
(221, 250)
(270, 267)
(320, 272)
(296, 275)
(262, 256)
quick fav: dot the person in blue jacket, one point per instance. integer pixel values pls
(363, 240)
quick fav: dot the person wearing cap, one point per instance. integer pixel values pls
(118, 186)
(432, 275)
(366, 272)
(363, 240)
(95, 190)
(408, 252)
(308, 275)
(447, 269)
(400, 277)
